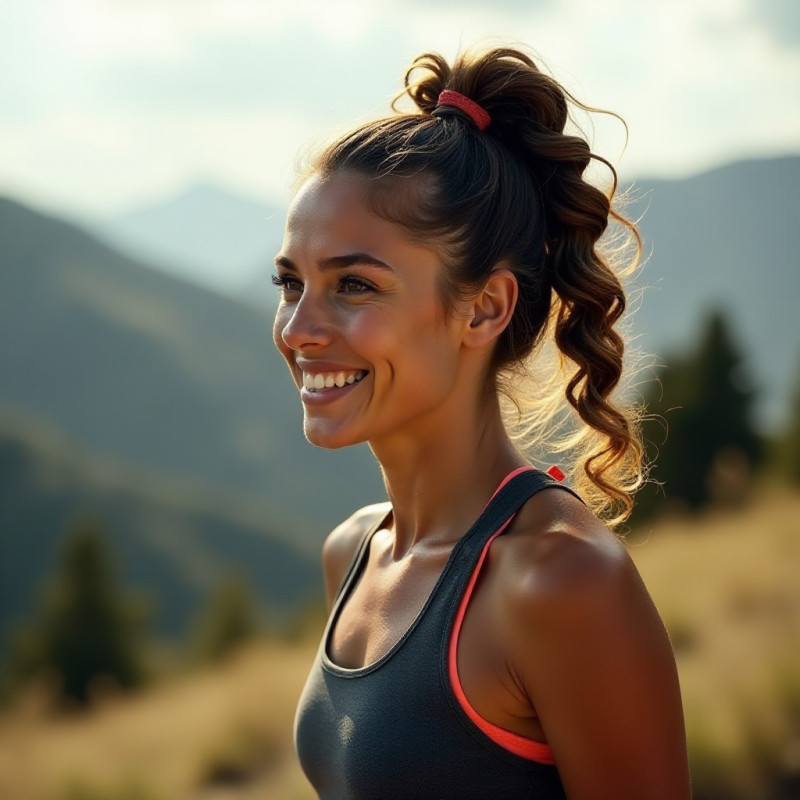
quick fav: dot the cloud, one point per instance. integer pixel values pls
(107, 100)
(291, 66)
(234, 105)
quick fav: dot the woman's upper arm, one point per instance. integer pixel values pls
(341, 544)
(599, 668)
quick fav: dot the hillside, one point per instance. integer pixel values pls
(170, 538)
(110, 367)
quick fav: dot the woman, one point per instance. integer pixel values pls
(429, 258)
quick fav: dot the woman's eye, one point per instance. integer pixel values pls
(287, 282)
(355, 285)
(346, 285)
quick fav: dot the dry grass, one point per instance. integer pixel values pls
(212, 735)
(728, 586)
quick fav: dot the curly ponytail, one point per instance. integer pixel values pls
(589, 303)
(516, 193)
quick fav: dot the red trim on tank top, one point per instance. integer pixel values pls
(513, 742)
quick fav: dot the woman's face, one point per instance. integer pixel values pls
(360, 321)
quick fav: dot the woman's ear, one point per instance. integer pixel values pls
(491, 309)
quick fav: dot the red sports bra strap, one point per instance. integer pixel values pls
(513, 742)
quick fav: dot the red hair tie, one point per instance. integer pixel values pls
(477, 114)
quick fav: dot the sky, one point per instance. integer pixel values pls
(106, 105)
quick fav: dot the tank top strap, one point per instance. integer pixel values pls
(513, 493)
(517, 488)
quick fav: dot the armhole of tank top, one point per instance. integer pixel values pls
(518, 745)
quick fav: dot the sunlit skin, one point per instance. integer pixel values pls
(357, 297)
(561, 642)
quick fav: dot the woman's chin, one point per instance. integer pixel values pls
(327, 437)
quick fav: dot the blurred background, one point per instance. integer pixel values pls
(160, 512)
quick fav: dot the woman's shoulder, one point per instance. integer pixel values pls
(570, 596)
(560, 565)
(586, 641)
(563, 537)
(342, 542)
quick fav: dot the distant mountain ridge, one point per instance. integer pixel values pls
(221, 240)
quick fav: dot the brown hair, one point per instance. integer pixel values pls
(516, 193)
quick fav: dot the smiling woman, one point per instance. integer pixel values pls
(489, 637)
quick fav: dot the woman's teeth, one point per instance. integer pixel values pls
(328, 380)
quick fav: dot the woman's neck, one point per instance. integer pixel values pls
(439, 478)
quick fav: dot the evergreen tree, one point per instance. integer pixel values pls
(85, 629)
(702, 408)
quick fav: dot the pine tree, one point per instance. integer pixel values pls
(702, 432)
(85, 629)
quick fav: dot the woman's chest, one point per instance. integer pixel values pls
(387, 599)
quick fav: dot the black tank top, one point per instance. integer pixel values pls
(394, 730)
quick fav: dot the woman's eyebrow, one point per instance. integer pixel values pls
(337, 262)
(285, 263)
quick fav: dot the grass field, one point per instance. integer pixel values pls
(728, 587)
(727, 584)
(219, 733)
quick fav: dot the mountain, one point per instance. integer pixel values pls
(160, 373)
(170, 538)
(728, 239)
(207, 234)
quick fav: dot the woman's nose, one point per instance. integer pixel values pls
(303, 324)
